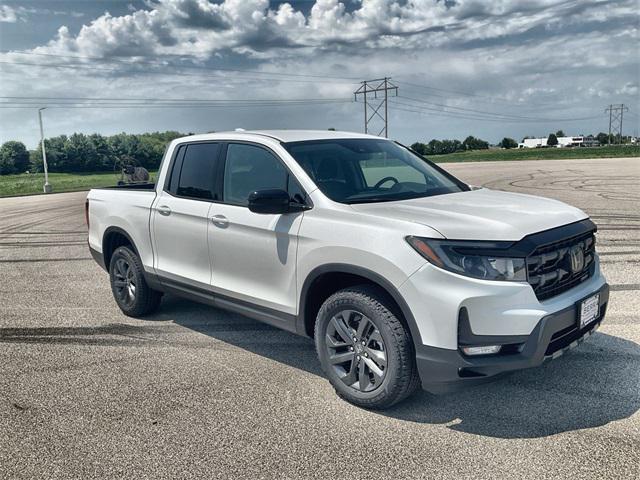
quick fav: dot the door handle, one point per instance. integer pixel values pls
(164, 210)
(220, 221)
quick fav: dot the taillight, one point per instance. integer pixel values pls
(86, 212)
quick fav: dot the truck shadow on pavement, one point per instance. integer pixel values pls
(597, 383)
(592, 385)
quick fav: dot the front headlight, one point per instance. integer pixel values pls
(473, 259)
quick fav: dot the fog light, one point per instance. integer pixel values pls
(484, 350)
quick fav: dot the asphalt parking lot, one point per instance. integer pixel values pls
(192, 392)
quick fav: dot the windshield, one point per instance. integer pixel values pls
(370, 170)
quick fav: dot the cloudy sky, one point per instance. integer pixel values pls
(487, 68)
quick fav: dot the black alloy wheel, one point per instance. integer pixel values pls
(124, 282)
(356, 350)
(365, 347)
(130, 289)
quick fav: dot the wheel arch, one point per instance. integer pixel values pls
(338, 276)
(113, 238)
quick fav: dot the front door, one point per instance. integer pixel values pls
(181, 216)
(253, 256)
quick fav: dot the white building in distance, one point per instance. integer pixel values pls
(580, 141)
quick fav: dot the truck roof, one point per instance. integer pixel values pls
(281, 135)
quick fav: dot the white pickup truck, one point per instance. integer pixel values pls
(403, 274)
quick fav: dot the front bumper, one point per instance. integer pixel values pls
(442, 370)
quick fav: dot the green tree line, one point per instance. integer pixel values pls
(87, 153)
(442, 147)
(96, 153)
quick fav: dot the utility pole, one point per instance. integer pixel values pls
(377, 104)
(47, 186)
(616, 112)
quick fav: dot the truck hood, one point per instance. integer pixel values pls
(481, 214)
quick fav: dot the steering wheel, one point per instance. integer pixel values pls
(384, 180)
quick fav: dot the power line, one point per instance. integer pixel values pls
(461, 108)
(157, 102)
(440, 113)
(24, 99)
(393, 107)
(281, 74)
(168, 105)
(153, 72)
(505, 116)
(481, 98)
(434, 112)
(163, 64)
(476, 116)
(456, 92)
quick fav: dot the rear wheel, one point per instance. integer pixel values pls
(364, 349)
(130, 290)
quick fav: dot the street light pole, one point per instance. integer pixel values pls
(47, 186)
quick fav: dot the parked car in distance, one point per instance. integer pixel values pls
(404, 275)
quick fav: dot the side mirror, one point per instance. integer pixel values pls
(270, 202)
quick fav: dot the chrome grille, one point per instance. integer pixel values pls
(549, 267)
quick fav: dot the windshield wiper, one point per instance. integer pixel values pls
(394, 198)
(372, 200)
(384, 198)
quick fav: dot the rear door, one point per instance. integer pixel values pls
(253, 256)
(181, 213)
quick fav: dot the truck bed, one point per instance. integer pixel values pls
(123, 207)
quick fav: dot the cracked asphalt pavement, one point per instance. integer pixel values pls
(193, 392)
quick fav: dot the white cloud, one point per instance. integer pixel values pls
(8, 14)
(629, 88)
(204, 27)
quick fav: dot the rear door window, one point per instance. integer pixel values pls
(196, 178)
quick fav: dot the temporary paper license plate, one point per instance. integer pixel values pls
(589, 310)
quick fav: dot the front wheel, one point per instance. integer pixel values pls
(364, 349)
(130, 290)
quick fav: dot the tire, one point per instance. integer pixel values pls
(130, 290)
(382, 358)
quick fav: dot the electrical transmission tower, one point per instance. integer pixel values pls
(375, 94)
(616, 113)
